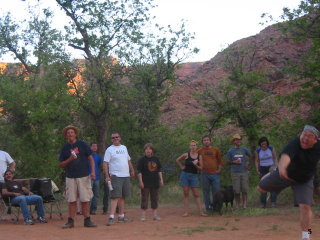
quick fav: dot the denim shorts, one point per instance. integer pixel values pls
(189, 179)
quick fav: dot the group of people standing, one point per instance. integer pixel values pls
(208, 160)
(296, 168)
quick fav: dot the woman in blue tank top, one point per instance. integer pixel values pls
(189, 177)
(266, 160)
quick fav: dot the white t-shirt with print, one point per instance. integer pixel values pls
(5, 160)
(117, 157)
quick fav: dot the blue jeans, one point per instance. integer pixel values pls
(23, 201)
(210, 183)
(95, 198)
(105, 197)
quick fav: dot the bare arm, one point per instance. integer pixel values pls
(199, 164)
(26, 191)
(131, 169)
(12, 166)
(283, 165)
(93, 172)
(257, 162)
(181, 158)
(69, 160)
(219, 167)
(141, 185)
(106, 171)
(161, 179)
(275, 158)
(5, 192)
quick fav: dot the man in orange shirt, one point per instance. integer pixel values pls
(211, 168)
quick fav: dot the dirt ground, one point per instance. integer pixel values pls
(171, 226)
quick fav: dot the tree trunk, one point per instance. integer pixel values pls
(102, 131)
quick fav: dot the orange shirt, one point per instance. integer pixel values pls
(211, 158)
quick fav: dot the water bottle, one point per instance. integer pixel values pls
(110, 186)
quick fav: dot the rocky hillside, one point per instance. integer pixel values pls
(267, 52)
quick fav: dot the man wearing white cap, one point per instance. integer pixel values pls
(297, 167)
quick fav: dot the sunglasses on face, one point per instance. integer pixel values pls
(115, 137)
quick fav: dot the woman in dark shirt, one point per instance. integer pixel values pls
(150, 180)
(189, 177)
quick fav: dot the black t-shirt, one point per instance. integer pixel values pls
(189, 166)
(79, 167)
(149, 168)
(304, 162)
(13, 186)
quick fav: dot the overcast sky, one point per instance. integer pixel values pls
(215, 23)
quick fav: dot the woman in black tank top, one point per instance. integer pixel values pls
(189, 177)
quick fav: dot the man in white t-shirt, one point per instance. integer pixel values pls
(118, 169)
(6, 162)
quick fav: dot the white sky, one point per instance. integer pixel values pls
(216, 23)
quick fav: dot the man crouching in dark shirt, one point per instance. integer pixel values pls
(23, 197)
(297, 167)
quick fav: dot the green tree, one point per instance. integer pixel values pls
(241, 100)
(34, 101)
(120, 55)
(303, 24)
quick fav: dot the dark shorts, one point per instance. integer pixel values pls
(272, 182)
(154, 197)
(121, 187)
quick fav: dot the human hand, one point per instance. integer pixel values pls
(161, 183)
(237, 161)
(93, 176)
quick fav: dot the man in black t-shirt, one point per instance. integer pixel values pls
(23, 197)
(297, 167)
(76, 159)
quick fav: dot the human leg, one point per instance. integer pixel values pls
(85, 209)
(303, 198)
(38, 201)
(206, 191)
(273, 197)
(272, 182)
(154, 198)
(22, 202)
(263, 196)
(305, 217)
(196, 196)
(185, 200)
(144, 202)
(244, 184)
(95, 198)
(235, 177)
(72, 209)
(106, 194)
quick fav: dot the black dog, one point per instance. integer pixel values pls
(228, 196)
(224, 196)
(217, 202)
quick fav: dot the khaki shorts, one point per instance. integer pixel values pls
(79, 187)
(240, 182)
